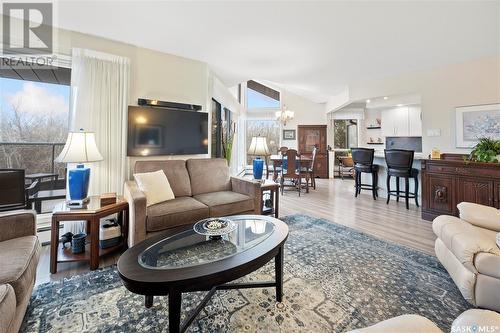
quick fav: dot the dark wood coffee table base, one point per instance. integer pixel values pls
(175, 296)
(212, 274)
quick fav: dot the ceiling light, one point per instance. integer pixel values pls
(386, 98)
(368, 101)
(399, 105)
(284, 115)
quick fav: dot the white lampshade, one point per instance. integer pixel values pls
(80, 147)
(258, 146)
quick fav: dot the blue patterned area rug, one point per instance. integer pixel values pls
(336, 279)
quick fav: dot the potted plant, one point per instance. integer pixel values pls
(486, 150)
(227, 140)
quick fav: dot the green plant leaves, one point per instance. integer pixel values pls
(486, 150)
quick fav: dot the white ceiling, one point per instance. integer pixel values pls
(313, 48)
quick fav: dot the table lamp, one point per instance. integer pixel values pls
(80, 148)
(258, 147)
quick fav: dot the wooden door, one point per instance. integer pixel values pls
(310, 136)
(476, 191)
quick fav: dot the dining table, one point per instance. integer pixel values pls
(305, 161)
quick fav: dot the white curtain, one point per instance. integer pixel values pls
(99, 99)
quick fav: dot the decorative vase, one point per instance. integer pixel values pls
(78, 243)
(258, 167)
(78, 180)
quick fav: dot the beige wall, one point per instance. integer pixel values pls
(153, 74)
(441, 90)
(306, 113)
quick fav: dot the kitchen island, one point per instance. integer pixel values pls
(379, 159)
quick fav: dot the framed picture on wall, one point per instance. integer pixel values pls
(476, 121)
(288, 134)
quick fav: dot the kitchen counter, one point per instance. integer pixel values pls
(379, 159)
(417, 156)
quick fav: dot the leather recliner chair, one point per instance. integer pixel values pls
(467, 248)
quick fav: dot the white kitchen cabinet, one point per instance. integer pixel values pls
(414, 120)
(401, 121)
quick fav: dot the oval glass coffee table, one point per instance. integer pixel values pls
(175, 263)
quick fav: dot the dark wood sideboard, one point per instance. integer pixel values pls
(449, 181)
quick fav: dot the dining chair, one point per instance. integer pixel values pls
(31, 192)
(282, 150)
(291, 171)
(12, 194)
(310, 168)
(346, 166)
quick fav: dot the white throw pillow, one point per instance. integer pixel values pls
(479, 215)
(155, 186)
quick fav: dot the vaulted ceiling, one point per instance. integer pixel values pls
(310, 47)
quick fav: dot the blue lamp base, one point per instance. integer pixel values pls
(78, 182)
(258, 167)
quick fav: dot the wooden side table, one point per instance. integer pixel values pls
(268, 185)
(92, 213)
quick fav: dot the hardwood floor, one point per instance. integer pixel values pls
(332, 200)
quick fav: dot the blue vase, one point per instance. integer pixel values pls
(78, 180)
(258, 167)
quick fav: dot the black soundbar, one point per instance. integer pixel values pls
(168, 105)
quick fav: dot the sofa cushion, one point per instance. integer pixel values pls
(471, 320)
(463, 239)
(155, 186)
(19, 258)
(480, 215)
(7, 307)
(173, 213)
(226, 202)
(488, 264)
(405, 323)
(208, 175)
(176, 173)
(464, 278)
(487, 292)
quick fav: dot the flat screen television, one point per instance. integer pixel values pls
(158, 131)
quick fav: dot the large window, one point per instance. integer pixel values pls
(33, 129)
(270, 129)
(261, 97)
(256, 100)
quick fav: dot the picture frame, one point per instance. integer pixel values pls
(289, 134)
(476, 121)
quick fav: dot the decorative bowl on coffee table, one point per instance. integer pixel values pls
(214, 227)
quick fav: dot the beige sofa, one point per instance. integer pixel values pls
(19, 254)
(466, 247)
(474, 320)
(202, 188)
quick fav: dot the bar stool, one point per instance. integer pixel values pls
(363, 162)
(399, 165)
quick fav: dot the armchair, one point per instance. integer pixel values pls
(473, 320)
(467, 248)
(19, 254)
